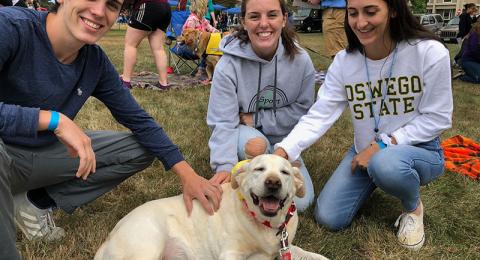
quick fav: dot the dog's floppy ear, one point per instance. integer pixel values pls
(187, 36)
(237, 171)
(299, 182)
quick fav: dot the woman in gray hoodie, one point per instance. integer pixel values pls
(261, 87)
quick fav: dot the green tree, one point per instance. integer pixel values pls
(419, 6)
(45, 3)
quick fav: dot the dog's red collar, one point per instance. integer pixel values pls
(281, 227)
(285, 252)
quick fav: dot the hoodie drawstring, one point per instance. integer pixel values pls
(257, 103)
(275, 90)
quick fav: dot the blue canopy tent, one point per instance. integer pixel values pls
(219, 7)
(233, 10)
(172, 2)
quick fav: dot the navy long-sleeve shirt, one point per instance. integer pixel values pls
(32, 78)
(465, 24)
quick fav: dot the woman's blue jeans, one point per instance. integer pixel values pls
(398, 170)
(472, 72)
(246, 133)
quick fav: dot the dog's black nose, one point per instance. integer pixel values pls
(273, 184)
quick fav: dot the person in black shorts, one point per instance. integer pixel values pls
(5, 3)
(149, 18)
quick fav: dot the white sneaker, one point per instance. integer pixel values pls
(458, 75)
(35, 223)
(410, 230)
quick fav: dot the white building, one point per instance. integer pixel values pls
(448, 8)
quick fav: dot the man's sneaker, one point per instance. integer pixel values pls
(410, 230)
(35, 223)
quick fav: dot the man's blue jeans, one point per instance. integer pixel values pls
(398, 170)
(246, 133)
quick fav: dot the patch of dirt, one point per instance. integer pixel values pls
(146, 79)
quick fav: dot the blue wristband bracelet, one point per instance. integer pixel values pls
(381, 144)
(54, 118)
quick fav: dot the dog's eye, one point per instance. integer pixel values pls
(261, 169)
(285, 172)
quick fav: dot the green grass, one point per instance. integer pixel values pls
(452, 204)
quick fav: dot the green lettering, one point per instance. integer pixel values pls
(407, 104)
(416, 84)
(360, 92)
(357, 108)
(403, 86)
(349, 92)
(384, 108)
(395, 102)
(391, 90)
(377, 89)
(370, 107)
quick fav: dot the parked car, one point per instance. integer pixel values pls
(432, 22)
(449, 32)
(307, 19)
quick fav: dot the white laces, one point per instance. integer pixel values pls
(406, 222)
(46, 222)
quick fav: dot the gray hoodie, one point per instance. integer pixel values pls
(244, 82)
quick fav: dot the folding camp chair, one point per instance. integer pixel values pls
(182, 59)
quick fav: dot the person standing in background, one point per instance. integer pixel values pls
(4, 3)
(210, 15)
(150, 18)
(466, 20)
(333, 16)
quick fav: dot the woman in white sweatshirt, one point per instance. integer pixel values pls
(395, 79)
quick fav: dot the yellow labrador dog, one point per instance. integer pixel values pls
(256, 220)
(198, 41)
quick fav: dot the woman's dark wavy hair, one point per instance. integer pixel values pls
(127, 5)
(289, 36)
(403, 26)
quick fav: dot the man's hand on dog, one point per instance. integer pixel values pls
(220, 178)
(196, 187)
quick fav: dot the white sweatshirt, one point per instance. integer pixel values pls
(417, 104)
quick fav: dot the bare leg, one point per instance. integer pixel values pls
(157, 40)
(133, 37)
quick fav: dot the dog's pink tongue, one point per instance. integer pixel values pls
(270, 205)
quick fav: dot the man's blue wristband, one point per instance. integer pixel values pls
(381, 144)
(54, 118)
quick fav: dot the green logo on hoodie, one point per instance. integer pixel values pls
(266, 99)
